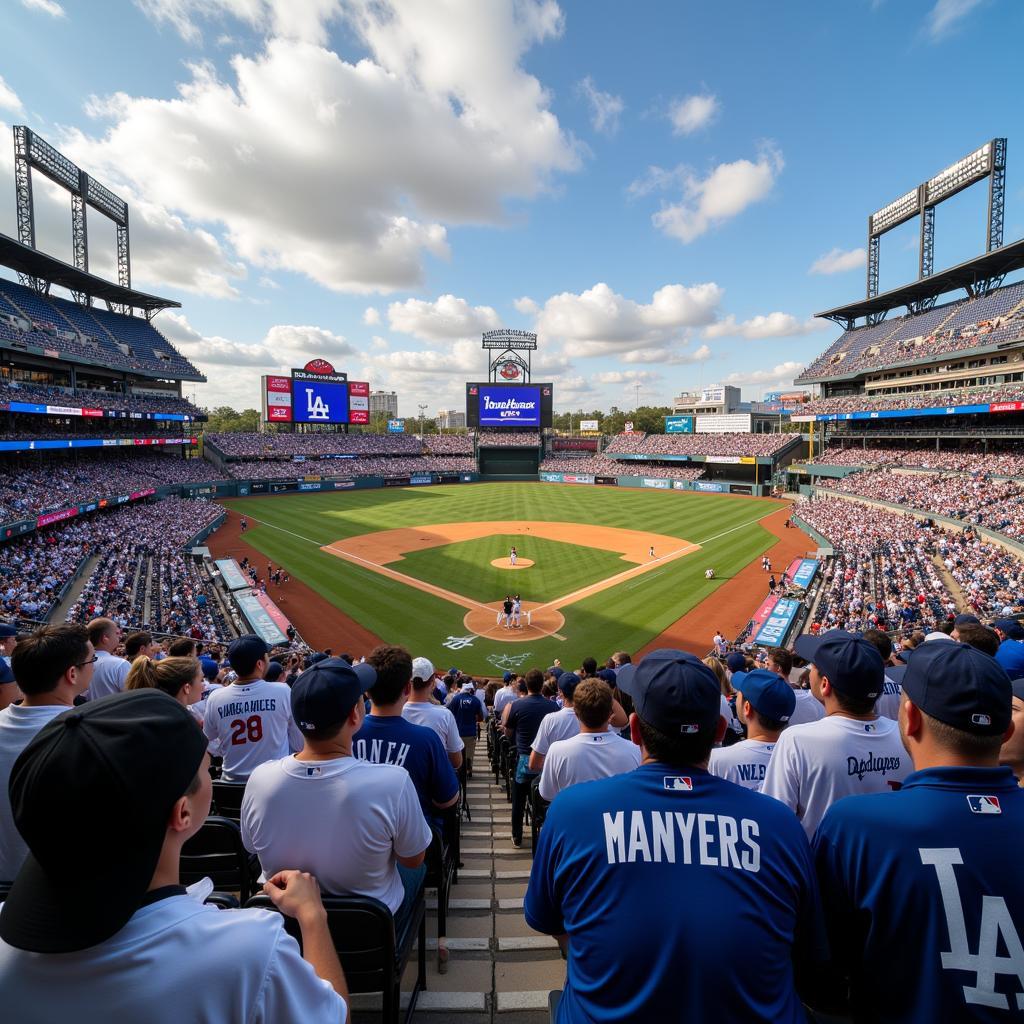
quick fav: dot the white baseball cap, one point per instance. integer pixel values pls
(467, 687)
(422, 669)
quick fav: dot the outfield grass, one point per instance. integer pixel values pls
(291, 529)
(465, 567)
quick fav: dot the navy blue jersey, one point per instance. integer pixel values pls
(525, 715)
(390, 739)
(467, 711)
(683, 896)
(924, 897)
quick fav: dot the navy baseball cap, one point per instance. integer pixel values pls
(1018, 688)
(244, 652)
(966, 619)
(99, 780)
(1011, 627)
(736, 662)
(769, 694)
(325, 694)
(210, 669)
(506, 677)
(274, 670)
(675, 692)
(852, 664)
(608, 675)
(567, 683)
(556, 671)
(7, 630)
(961, 686)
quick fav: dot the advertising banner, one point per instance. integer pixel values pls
(680, 485)
(260, 619)
(17, 529)
(577, 478)
(805, 573)
(359, 388)
(760, 617)
(732, 460)
(358, 401)
(607, 481)
(551, 478)
(304, 486)
(344, 485)
(656, 482)
(588, 424)
(396, 426)
(708, 485)
(509, 406)
(418, 479)
(678, 424)
(776, 626)
(56, 517)
(279, 413)
(231, 573)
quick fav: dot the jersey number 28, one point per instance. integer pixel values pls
(246, 730)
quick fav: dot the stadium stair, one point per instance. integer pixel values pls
(499, 970)
(60, 611)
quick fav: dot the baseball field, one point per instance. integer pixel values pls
(430, 567)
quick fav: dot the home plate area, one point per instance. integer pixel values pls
(383, 550)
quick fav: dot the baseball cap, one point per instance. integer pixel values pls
(244, 652)
(1011, 627)
(453, 671)
(675, 692)
(210, 669)
(96, 782)
(961, 686)
(325, 693)
(736, 662)
(1018, 688)
(769, 694)
(274, 670)
(506, 677)
(468, 687)
(608, 675)
(851, 663)
(557, 671)
(567, 683)
(6, 630)
(422, 669)
(966, 619)
(315, 658)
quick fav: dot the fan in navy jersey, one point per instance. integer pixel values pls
(387, 738)
(679, 896)
(923, 893)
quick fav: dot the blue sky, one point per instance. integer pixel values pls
(665, 191)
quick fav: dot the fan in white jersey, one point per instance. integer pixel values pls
(370, 824)
(421, 710)
(808, 708)
(250, 721)
(851, 750)
(764, 701)
(592, 753)
(111, 949)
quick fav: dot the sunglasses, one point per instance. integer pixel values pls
(82, 664)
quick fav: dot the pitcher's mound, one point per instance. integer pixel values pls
(504, 563)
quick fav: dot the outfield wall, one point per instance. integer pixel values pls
(660, 483)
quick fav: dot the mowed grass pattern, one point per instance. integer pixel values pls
(291, 529)
(558, 569)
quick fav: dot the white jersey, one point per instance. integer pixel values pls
(559, 726)
(257, 973)
(366, 815)
(744, 763)
(504, 696)
(816, 764)
(248, 724)
(438, 718)
(585, 757)
(18, 727)
(199, 708)
(108, 676)
(888, 704)
(808, 709)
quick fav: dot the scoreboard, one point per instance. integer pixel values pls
(317, 393)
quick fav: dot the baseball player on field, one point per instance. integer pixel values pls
(517, 611)
(923, 899)
(513, 556)
(506, 609)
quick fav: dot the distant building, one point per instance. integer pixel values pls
(384, 403)
(451, 419)
(718, 410)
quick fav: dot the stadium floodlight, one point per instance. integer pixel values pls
(896, 213)
(960, 175)
(517, 341)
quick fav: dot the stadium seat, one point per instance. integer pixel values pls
(216, 852)
(222, 901)
(227, 798)
(538, 809)
(372, 955)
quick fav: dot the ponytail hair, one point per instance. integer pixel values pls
(169, 674)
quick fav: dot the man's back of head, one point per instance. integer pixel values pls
(534, 681)
(103, 634)
(42, 660)
(393, 666)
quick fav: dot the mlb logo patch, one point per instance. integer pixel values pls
(984, 804)
(981, 719)
(678, 783)
(689, 729)
(313, 770)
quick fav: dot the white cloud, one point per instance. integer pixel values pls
(9, 98)
(770, 325)
(658, 179)
(445, 319)
(946, 16)
(285, 151)
(627, 377)
(50, 7)
(836, 261)
(526, 306)
(726, 192)
(269, 283)
(601, 322)
(668, 356)
(776, 378)
(691, 113)
(371, 316)
(605, 108)
(379, 344)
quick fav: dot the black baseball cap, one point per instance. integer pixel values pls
(1011, 627)
(244, 652)
(7, 630)
(567, 683)
(961, 686)
(675, 692)
(91, 795)
(852, 664)
(325, 694)
(966, 619)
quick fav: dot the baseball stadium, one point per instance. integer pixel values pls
(495, 560)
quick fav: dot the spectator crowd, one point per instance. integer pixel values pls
(997, 460)
(699, 444)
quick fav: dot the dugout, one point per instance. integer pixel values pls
(509, 463)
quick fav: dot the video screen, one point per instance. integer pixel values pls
(315, 401)
(508, 405)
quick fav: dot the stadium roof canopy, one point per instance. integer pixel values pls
(26, 260)
(975, 276)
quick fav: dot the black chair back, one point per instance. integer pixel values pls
(216, 852)
(227, 798)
